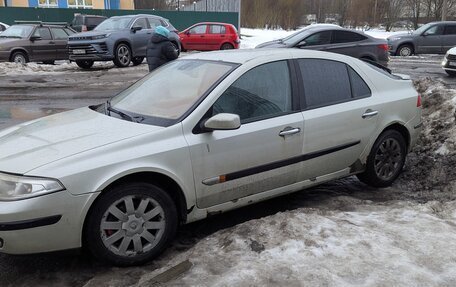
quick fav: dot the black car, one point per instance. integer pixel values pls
(83, 23)
(333, 38)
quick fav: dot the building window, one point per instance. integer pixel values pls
(81, 4)
(48, 3)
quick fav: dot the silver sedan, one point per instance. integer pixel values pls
(204, 134)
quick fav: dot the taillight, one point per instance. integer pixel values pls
(383, 47)
(418, 101)
(84, 28)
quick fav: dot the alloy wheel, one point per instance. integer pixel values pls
(388, 159)
(132, 225)
(123, 55)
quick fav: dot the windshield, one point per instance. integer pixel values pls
(423, 28)
(17, 31)
(114, 24)
(170, 91)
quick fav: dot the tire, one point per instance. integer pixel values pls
(137, 61)
(226, 46)
(49, 62)
(386, 160)
(20, 58)
(451, 73)
(404, 50)
(122, 56)
(176, 46)
(116, 232)
(85, 64)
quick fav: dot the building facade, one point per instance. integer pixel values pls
(80, 4)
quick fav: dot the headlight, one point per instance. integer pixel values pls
(100, 37)
(13, 187)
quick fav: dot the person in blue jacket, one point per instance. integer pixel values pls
(160, 50)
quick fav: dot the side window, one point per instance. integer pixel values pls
(2, 28)
(434, 30)
(217, 29)
(200, 29)
(141, 22)
(320, 38)
(346, 36)
(154, 22)
(450, 30)
(263, 92)
(59, 34)
(164, 23)
(359, 88)
(318, 90)
(44, 33)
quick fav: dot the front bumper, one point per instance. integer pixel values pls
(42, 224)
(89, 50)
(449, 64)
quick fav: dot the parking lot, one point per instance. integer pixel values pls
(28, 92)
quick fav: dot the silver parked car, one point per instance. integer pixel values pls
(332, 38)
(227, 129)
(432, 38)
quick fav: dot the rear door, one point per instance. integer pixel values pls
(449, 37)
(61, 41)
(339, 116)
(43, 49)
(347, 43)
(430, 42)
(216, 37)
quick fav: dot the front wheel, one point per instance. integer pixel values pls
(19, 58)
(131, 224)
(85, 64)
(404, 51)
(386, 160)
(122, 57)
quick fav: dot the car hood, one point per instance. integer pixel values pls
(6, 41)
(272, 44)
(30, 145)
(92, 33)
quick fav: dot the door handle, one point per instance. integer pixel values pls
(288, 131)
(51, 42)
(369, 114)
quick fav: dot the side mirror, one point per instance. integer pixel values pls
(35, 38)
(136, 28)
(187, 33)
(301, 44)
(222, 121)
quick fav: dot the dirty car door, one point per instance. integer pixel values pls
(261, 154)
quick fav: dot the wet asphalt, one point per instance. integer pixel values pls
(32, 95)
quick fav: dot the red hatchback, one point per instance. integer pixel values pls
(210, 36)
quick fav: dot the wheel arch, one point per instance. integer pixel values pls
(402, 130)
(122, 41)
(160, 179)
(408, 43)
(14, 50)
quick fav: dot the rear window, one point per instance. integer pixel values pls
(346, 36)
(94, 21)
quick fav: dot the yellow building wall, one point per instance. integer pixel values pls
(2, 3)
(127, 4)
(98, 4)
(20, 3)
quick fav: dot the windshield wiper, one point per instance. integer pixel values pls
(123, 115)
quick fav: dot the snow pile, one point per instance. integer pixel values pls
(400, 244)
(8, 68)
(430, 167)
(253, 37)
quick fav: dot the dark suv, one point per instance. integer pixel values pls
(122, 39)
(84, 23)
(37, 42)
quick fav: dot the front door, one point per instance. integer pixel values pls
(43, 49)
(140, 38)
(430, 42)
(263, 154)
(449, 37)
(318, 41)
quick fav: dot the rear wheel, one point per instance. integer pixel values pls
(122, 57)
(19, 57)
(131, 224)
(137, 61)
(404, 50)
(386, 160)
(85, 64)
(226, 46)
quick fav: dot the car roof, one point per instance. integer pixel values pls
(137, 15)
(245, 55)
